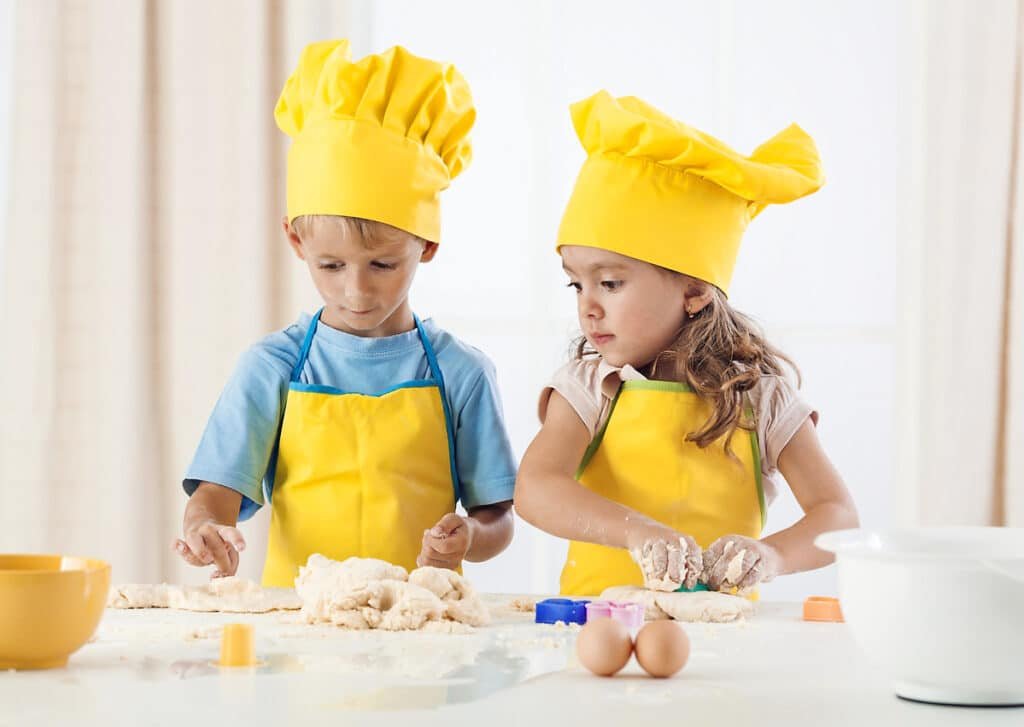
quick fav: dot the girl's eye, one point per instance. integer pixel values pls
(611, 284)
(577, 286)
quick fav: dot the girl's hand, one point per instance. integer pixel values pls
(735, 561)
(446, 544)
(667, 559)
(212, 542)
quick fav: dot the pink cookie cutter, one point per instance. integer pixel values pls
(629, 613)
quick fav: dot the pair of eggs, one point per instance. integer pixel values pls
(604, 646)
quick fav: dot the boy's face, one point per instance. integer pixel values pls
(629, 310)
(364, 283)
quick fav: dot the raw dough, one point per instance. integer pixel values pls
(366, 593)
(734, 571)
(230, 594)
(709, 606)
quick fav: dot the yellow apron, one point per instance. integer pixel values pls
(359, 474)
(642, 460)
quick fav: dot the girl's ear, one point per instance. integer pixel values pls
(293, 239)
(697, 296)
(429, 250)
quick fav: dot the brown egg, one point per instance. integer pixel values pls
(604, 646)
(662, 648)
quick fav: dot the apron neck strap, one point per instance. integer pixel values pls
(304, 351)
(435, 369)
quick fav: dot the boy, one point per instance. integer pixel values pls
(365, 424)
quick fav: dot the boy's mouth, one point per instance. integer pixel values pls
(599, 339)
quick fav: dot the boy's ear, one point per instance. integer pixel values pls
(293, 239)
(429, 250)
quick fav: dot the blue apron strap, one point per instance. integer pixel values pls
(304, 351)
(435, 371)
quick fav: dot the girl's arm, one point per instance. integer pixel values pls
(826, 503)
(548, 495)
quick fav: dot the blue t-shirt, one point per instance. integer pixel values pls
(240, 437)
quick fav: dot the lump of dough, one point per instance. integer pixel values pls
(366, 593)
(460, 599)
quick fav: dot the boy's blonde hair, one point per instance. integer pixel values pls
(722, 354)
(369, 232)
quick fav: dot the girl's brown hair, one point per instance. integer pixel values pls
(722, 354)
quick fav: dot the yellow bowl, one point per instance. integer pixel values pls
(49, 606)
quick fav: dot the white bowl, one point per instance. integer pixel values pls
(940, 610)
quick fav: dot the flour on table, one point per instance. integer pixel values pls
(707, 606)
(229, 595)
(366, 593)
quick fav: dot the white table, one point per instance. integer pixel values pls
(152, 667)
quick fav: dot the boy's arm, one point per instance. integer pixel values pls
(210, 535)
(485, 532)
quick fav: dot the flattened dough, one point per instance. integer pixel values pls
(707, 606)
(229, 595)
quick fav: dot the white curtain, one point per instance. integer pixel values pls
(953, 281)
(143, 255)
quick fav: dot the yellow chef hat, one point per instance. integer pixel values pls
(657, 190)
(377, 138)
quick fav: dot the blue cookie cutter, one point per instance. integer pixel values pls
(698, 587)
(566, 610)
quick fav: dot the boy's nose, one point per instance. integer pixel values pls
(357, 287)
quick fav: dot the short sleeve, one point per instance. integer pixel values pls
(579, 382)
(483, 452)
(780, 411)
(239, 438)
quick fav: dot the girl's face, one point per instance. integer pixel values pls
(365, 287)
(630, 311)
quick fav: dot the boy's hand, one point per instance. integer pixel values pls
(446, 544)
(736, 561)
(667, 559)
(209, 542)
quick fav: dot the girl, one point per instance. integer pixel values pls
(661, 440)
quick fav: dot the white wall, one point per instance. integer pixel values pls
(809, 272)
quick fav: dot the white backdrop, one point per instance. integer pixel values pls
(884, 286)
(809, 272)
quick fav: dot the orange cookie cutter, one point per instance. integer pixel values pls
(823, 608)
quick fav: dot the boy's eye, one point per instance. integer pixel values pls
(383, 266)
(577, 286)
(611, 284)
(331, 266)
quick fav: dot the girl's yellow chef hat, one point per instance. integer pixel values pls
(655, 189)
(377, 138)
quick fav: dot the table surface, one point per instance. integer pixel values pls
(155, 667)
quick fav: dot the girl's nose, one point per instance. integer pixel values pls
(589, 307)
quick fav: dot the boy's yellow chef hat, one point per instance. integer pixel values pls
(377, 138)
(655, 189)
